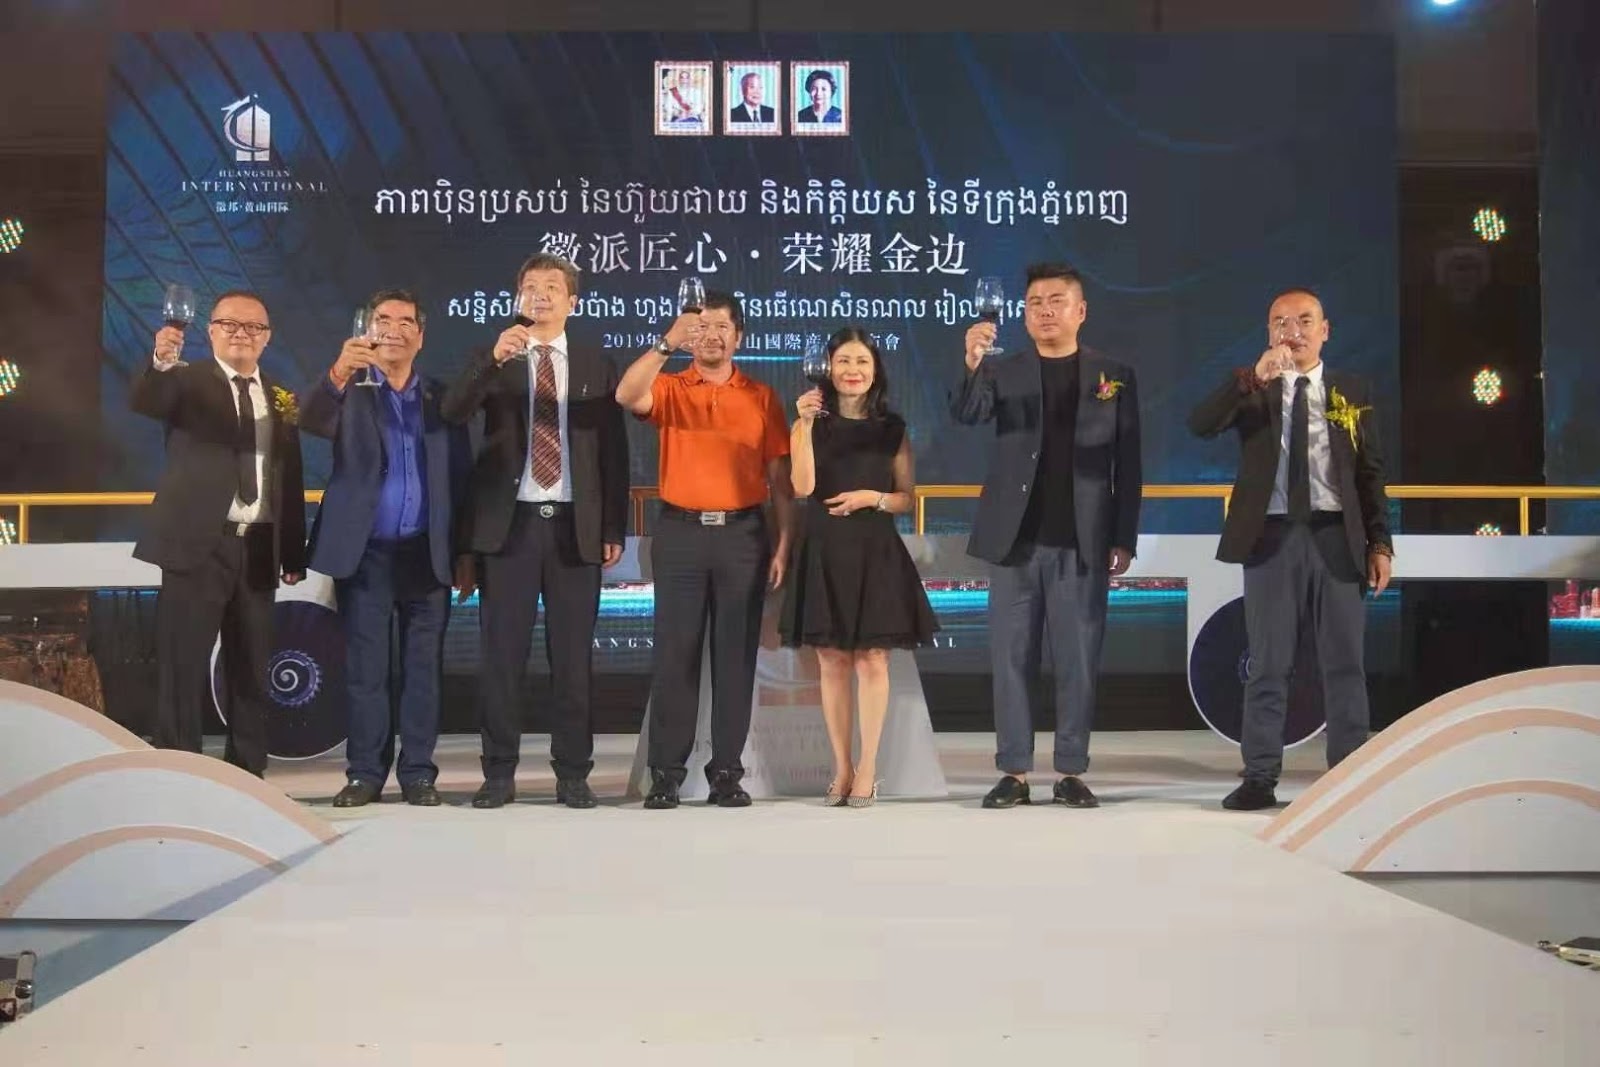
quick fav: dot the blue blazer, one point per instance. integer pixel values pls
(352, 421)
(1108, 476)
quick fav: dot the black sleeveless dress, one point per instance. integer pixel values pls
(852, 584)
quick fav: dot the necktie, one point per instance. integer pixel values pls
(545, 445)
(1300, 454)
(244, 445)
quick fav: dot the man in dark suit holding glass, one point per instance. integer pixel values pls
(1058, 518)
(227, 522)
(1309, 520)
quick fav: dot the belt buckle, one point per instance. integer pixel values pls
(240, 529)
(547, 511)
(713, 518)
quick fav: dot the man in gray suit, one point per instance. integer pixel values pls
(1058, 518)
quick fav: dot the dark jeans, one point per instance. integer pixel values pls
(393, 584)
(705, 572)
(1302, 575)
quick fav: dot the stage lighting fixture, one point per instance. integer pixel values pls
(11, 231)
(10, 377)
(1444, 3)
(1488, 529)
(8, 532)
(1489, 224)
(1487, 388)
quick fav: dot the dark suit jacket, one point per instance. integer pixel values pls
(1256, 412)
(739, 114)
(809, 114)
(597, 441)
(1108, 479)
(354, 422)
(200, 410)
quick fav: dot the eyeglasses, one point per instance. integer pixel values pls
(233, 326)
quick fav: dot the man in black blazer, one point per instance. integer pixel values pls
(385, 534)
(751, 109)
(1058, 518)
(1309, 520)
(227, 522)
(547, 508)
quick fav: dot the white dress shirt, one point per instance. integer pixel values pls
(261, 510)
(1324, 491)
(530, 490)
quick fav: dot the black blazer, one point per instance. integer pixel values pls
(1108, 479)
(597, 442)
(200, 410)
(353, 422)
(740, 114)
(1255, 411)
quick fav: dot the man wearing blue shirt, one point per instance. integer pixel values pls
(385, 533)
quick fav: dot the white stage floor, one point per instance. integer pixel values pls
(1154, 930)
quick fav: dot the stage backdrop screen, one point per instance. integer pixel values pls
(827, 180)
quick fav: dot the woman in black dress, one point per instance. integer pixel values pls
(853, 591)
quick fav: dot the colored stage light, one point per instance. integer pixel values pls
(8, 532)
(1444, 3)
(11, 231)
(1489, 224)
(1488, 529)
(10, 377)
(1487, 388)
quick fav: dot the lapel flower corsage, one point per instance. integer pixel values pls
(283, 402)
(1108, 388)
(1344, 414)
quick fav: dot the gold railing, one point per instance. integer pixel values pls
(1524, 495)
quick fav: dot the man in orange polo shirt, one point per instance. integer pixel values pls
(724, 453)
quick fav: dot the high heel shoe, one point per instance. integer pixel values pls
(866, 801)
(837, 796)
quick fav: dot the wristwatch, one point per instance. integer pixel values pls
(883, 499)
(662, 347)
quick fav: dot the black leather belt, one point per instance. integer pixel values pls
(709, 518)
(548, 509)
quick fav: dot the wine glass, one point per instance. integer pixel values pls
(989, 299)
(1287, 332)
(177, 310)
(691, 296)
(364, 328)
(529, 304)
(816, 366)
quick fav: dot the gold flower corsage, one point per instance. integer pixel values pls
(1344, 414)
(1107, 389)
(284, 403)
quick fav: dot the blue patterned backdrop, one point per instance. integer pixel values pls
(1188, 177)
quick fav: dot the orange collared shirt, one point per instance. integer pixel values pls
(716, 440)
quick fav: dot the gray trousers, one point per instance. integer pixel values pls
(1288, 587)
(1045, 592)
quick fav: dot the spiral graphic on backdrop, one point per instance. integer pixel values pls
(304, 684)
(1219, 666)
(295, 678)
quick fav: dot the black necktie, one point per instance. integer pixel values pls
(1300, 453)
(244, 444)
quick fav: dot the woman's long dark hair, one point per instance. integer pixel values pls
(876, 403)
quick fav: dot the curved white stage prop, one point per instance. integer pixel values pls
(1500, 776)
(96, 824)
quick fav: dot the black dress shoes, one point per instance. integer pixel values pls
(663, 792)
(495, 793)
(575, 793)
(421, 794)
(1252, 795)
(726, 792)
(1007, 794)
(358, 794)
(1074, 794)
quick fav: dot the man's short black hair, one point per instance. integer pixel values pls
(1038, 272)
(727, 302)
(404, 296)
(247, 294)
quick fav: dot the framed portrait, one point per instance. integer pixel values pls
(752, 99)
(819, 98)
(683, 97)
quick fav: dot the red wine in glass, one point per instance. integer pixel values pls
(178, 308)
(691, 296)
(816, 367)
